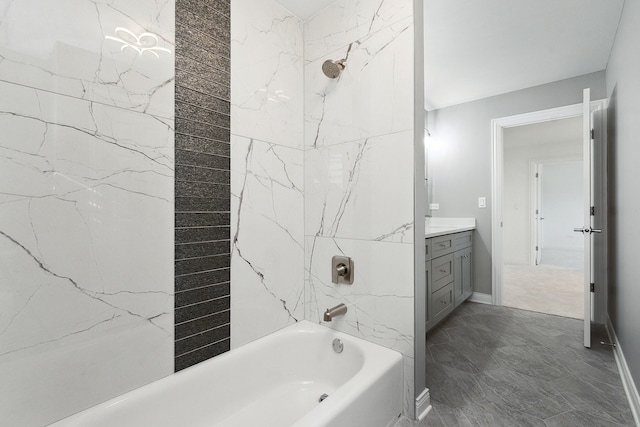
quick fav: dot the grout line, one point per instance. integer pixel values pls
(203, 332)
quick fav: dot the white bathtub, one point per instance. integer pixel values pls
(275, 381)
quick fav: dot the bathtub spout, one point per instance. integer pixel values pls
(338, 310)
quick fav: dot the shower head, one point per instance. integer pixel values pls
(332, 69)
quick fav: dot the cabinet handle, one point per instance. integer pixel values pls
(442, 245)
(442, 270)
(443, 301)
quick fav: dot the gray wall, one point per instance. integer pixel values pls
(623, 88)
(459, 165)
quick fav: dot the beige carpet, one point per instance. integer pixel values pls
(545, 289)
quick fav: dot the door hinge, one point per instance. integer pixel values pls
(593, 287)
(593, 211)
(593, 134)
(537, 175)
(536, 249)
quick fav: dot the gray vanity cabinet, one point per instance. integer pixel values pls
(462, 275)
(448, 267)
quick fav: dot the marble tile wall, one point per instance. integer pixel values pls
(358, 171)
(267, 204)
(202, 190)
(86, 203)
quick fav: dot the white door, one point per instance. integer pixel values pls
(539, 215)
(587, 229)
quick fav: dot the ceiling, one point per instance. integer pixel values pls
(476, 49)
(305, 9)
(550, 132)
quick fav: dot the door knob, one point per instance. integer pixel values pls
(587, 230)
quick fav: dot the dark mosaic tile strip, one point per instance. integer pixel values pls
(206, 278)
(214, 28)
(204, 56)
(200, 355)
(203, 339)
(198, 114)
(190, 35)
(202, 183)
(203, 84)
(198, 295)
(204, 100)
(202, 204)
(207, 308)
(202, 249)
(203, 219)
(208, 8)
(201, 189)
(200, 174)
(202, 324)
(199, 67)
(220, 6)
(191, 158)
(202, 234)
(197, 146)
(203, 130)
(195, 265)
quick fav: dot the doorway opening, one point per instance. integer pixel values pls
(543, 266)
(590, 112)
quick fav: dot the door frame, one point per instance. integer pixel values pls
(535, 193)
(497, 173)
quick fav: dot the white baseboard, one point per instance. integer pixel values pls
(423, 404)
(481, 298)
(627, 380)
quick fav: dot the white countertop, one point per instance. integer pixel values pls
(434, 227)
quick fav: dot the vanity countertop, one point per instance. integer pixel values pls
(434, 227)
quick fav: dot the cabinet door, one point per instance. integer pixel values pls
(428, 290)
(462, 240)
(462, 275)
(458, 278)
(467, 273)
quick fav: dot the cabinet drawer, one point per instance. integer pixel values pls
(441, 304)
(441, 245)
(441, 271)
(427, 249)
(462, 240)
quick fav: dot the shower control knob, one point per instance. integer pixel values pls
(342, 270)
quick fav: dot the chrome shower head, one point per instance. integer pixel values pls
(332, 69)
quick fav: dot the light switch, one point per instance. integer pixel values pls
(434, 206)
(482, 202)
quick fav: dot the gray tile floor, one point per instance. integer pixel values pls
(499, 366)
